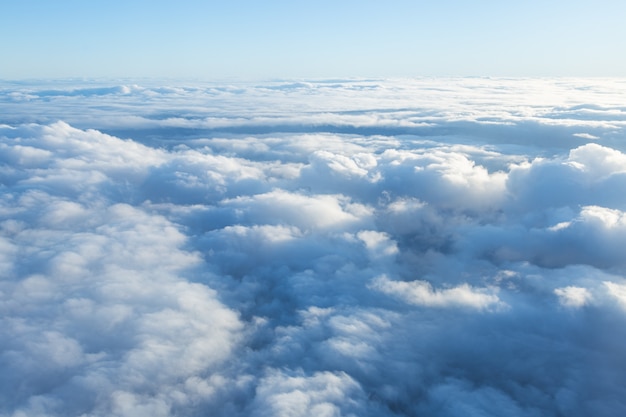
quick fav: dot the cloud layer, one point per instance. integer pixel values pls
(363, 247)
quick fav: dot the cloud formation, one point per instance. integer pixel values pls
(363, 247)
(422, 293)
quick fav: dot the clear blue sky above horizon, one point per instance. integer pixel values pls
(295, 39)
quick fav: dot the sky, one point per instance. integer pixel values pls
(396, 248)
(322, 39)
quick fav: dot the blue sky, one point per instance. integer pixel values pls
(274, 39)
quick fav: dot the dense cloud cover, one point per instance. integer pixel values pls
(338, 248)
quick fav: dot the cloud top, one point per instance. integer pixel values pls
(384, 248)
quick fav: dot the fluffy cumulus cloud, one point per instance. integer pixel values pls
(422, 293)
(329, 248)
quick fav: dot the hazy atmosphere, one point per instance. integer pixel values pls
(283, 209)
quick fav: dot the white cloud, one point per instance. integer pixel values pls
(603, 217)
(421, 293)
(618, 291)
(573, 296)
(586, 136)
(308, 212)
(599, 161)
(100, 292)
(322, 394)
(378, 244)
(228, 250)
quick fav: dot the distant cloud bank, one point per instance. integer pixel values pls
(442, 247)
